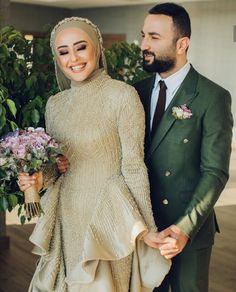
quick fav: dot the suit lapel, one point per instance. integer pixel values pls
(185, 95)
(147, 105)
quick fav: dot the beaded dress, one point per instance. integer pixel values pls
(95, 214)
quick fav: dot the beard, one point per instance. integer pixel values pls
(159, 65)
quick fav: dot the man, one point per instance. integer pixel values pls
(188, 145)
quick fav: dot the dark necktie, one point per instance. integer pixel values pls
(160, 107)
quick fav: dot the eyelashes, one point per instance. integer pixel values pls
(62, 53)
(79, 48)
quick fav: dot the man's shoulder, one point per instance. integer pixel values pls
(209, 86)
(144, 83)
(143, 86)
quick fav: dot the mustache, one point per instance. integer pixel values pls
(148, 53)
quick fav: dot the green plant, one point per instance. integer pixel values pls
(124, 62)
(27, 79)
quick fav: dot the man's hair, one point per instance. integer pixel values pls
(179, 16)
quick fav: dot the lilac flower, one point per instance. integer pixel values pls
(27, 150)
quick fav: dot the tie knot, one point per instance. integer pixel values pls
(162, 85)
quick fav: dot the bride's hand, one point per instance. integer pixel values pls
(25, 181)
(62, 163)
(152, 240)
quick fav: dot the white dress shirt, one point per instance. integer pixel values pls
(173, 83)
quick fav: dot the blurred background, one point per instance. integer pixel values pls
(212, 52)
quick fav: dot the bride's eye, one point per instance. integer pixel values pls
(82, 47)
(61, 53)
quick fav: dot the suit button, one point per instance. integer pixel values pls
(185, 141)
(167, 173)
(165, 202)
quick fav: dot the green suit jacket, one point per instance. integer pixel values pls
(188, 160)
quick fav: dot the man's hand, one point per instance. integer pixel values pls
(152, 239)
(175, 241)
(62, 163)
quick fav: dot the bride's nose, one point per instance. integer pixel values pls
(73, 57)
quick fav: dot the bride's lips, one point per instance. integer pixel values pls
(78, 68)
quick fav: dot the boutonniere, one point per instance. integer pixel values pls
(181, 112)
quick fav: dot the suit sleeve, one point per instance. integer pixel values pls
(131, 127)
(215, 154)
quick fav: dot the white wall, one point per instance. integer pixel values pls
(33, 18)
(213, 50)
(126, 19)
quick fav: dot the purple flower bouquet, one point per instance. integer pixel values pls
(28, 151)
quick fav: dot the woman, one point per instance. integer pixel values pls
(98, 214)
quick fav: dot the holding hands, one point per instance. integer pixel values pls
(170, 241)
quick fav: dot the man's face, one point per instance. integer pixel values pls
(158, 43)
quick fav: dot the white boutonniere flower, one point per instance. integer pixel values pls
(181, 112)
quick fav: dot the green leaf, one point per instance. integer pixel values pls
(12, 106)
(1, 109)
(30, 81)
(3, 118)
(3, 203)
(35, 117)
(14, 126)
(22, 219)
(13, 201)
(4, 51)
(39, 50)
(19, 210)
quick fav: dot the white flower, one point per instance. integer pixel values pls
(3, 161)
(181, 112)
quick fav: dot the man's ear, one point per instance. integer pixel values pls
(182, 45)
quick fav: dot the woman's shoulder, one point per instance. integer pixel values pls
(120, 91)
(57, 98)
(119, 85)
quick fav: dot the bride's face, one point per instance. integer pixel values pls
(75, 54)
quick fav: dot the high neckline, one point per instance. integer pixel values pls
(95, 75)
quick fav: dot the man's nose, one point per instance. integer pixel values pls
(144, 45)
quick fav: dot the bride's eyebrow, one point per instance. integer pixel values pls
(62, 47)
(79, 42)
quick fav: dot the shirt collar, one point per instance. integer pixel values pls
(173, 81)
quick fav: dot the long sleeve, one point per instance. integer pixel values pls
(215, 155)
(131, 127)
(50, 172)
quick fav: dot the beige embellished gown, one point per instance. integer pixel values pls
(95, 214)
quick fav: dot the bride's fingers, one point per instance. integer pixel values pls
(24, 180)
(24, 187)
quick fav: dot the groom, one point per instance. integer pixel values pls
(188, 145)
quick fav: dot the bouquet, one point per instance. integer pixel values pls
(27, 151)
